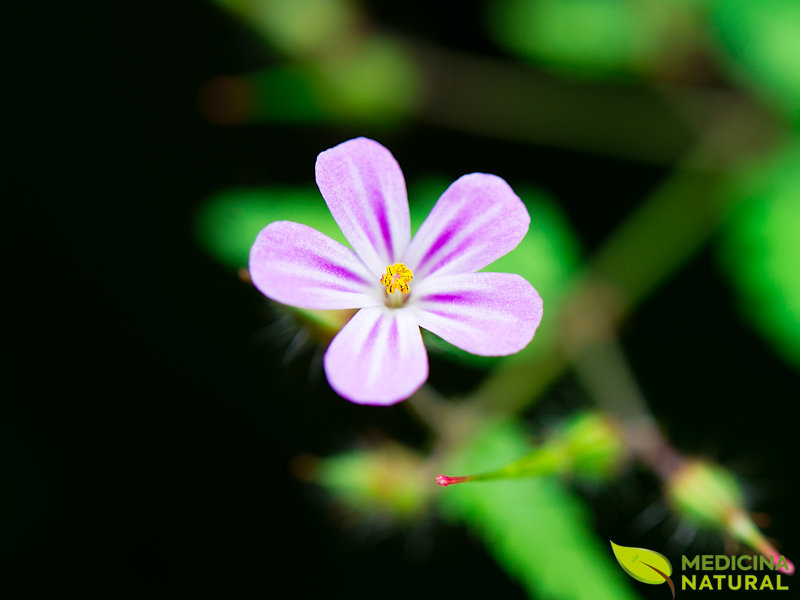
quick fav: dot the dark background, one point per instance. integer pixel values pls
(148, 432)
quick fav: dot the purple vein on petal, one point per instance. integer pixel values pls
(383, 224)
(462, 247)
(477, 220)
(372, 197)
(491, 314)
(393, 333)
(365, 191)
(470, 230)
(324, 264)
(372, 336)
(446, 298)
(440, 243)
(297, 265)
(357, 214)
(461, 238)
(343, 273)
(378, 357)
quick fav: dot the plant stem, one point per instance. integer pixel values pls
(655, 241)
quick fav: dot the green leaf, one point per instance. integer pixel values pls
(296, 26)
(761, 41)
(535, 529)
(374, 82)
(640, 562)
(759, 249)
(588, 37)
(227, 223)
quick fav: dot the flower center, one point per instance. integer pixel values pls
(396, 279)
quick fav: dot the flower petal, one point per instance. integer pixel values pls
(491, 314)
(477, 220)
(366, 194)
(296, 264)
(378, 357)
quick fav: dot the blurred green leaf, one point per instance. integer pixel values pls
(588, 37)
(371, 80)
(761, 245)
(549, 255)
(535, 528)
(296, 26)
(287, 93)
(762, 41)
(375, 80)
(227, 223)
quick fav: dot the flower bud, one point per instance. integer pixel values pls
(388, 481)
(589, 445)
(593, 444)
(710, 496)
(704, 493)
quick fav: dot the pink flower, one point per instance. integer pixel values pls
(400, 284)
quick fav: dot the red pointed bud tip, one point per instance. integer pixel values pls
(444, 480)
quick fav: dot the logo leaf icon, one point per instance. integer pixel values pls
(644, 565)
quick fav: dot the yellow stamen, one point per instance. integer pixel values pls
(397, 278)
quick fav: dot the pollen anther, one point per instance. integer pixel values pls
(397, 278)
